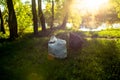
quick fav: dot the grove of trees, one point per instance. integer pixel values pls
(17, 17)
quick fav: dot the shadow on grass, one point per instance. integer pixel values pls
(19, 57)
(26, 59)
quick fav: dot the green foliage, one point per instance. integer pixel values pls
(2, 2)
(58, 12)
(3, 36)
(48, 13)
(75, 19)
(116, 4)
(24, 16)
(108, 15)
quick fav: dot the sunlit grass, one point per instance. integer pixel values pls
(110, 33)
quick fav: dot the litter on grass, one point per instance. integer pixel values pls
(57, 47)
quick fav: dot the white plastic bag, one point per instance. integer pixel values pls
(57, 47)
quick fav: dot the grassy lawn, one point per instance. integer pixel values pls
(27, 59)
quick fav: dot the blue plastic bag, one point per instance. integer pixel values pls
(57, 47)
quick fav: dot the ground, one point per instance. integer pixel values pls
(27, 59)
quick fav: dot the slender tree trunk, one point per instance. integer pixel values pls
(64, 21)
(52, 21)
(39, 4)
(66, 10)
(1, 25)
(41, 15)
(67, 4)
(12, 21)
(35, 20)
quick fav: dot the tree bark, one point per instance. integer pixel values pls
(64, 21)
(12, 21)
(2, 29)
(41, 15)
(35, 20)
(66, 6)
(52, 21)
(66, 10)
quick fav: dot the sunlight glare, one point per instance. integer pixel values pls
(94, 4)
(89, 4)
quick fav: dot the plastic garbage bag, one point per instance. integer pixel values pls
(57, 47)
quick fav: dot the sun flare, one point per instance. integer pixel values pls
(93, 4)
(89, 4)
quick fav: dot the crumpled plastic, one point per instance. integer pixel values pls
(57, 47)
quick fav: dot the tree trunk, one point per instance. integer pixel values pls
(41, 16)
(52, 21)
(12, 21)
(1, 25)
(66, 6)
(66, 10)
(35, 20)
(64, 21)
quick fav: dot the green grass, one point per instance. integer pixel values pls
(110, 33)
(27, 59)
